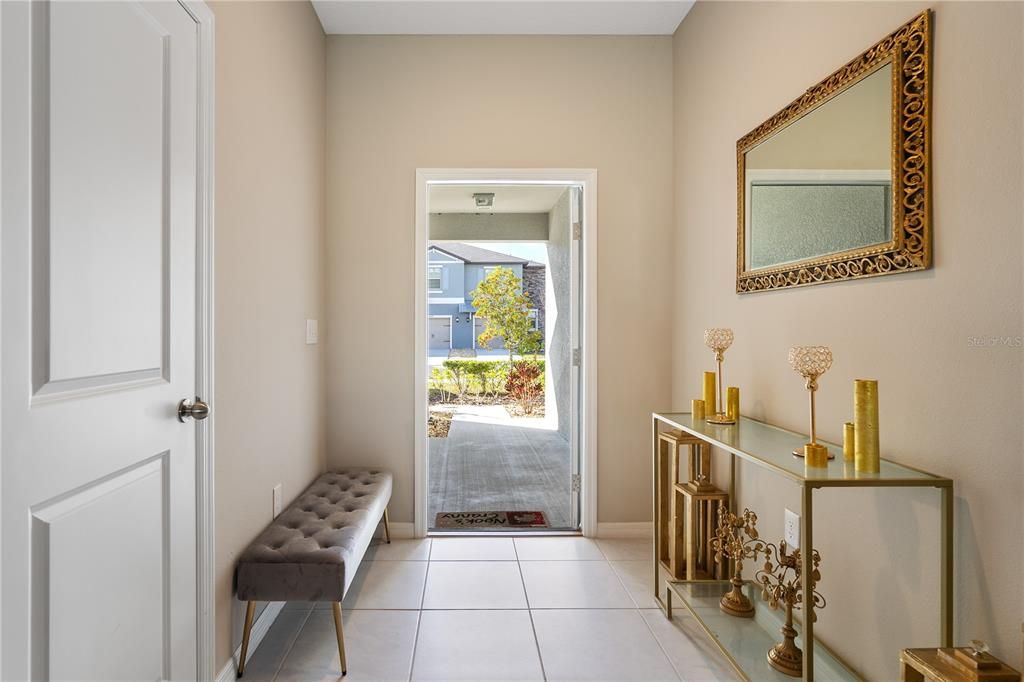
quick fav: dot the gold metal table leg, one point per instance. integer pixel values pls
(250, 611)
(947, 565)
(339, 629)
(387, 526)
(806, 570)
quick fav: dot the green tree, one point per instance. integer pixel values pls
(505, 307)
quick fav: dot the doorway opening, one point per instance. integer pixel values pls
(502, 382)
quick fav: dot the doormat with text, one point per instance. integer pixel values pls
(487, 519)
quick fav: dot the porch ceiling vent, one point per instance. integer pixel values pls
(484, 199)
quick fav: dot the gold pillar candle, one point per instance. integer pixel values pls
(815, 455)
(709, 393)
(865, 425)
(697, 409)
(848, 436)
(732, 401)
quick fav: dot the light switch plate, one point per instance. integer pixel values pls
(277, 500)
(791, 529)
(312, 332)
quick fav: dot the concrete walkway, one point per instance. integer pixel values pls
(491, 461)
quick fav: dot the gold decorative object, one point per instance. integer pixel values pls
(848, 436)
(732, 401)
(718, 340)
(709, 394)
(697, 410)
(963, 664)
(865, 426)
(736, 538)
(811, 362)
(907, 51)
(782, 584)
(685, 513)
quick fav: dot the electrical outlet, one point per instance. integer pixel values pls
(791, 530)
(277, 500)
(312, 332)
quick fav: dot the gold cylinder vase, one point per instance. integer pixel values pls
(697, 410)
(732, 402)
(848, 436)
(865, 426)
(709, 393)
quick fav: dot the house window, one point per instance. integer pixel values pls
(434, 278)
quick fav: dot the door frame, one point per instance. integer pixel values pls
(587, 178)
(205, 615)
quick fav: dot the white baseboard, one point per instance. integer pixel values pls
(259, 630)
(399, 531)
(637, 529)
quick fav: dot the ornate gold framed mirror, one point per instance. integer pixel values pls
(836, 186)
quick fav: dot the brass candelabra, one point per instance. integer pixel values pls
(736, 538)
(782, 584)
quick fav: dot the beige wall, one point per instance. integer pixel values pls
(270, 272)
(399, 103)
(946, 406)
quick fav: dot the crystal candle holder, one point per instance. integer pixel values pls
(811, 362)
(719, 339)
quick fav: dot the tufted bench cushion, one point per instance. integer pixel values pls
(311, 550)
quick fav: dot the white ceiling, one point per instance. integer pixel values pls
(507, 198)
(502, 17)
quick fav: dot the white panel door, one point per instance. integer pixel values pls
(99, 206)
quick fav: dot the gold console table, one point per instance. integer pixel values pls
(770, 447)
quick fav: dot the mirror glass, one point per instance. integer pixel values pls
(823, 184)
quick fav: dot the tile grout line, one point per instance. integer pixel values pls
(661, 646)
(291, 645)
(533, 626)
(419, 613)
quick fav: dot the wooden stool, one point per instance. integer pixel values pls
(953, 665)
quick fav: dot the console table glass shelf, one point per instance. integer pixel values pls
(770, 448)
(746, 641)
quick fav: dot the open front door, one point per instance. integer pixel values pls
(576, 336)
(99, 228)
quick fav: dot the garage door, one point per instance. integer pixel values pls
(478, 328)
(441, 332)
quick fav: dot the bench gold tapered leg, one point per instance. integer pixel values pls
(340, 630)
(250, 611)
(387, 526)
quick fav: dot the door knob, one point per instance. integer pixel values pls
(197, 410)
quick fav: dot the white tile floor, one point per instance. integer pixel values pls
(494, 609)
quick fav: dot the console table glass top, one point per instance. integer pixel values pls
(772, 447)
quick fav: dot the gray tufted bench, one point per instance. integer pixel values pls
(311, 551)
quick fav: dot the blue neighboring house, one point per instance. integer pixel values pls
(453, 271)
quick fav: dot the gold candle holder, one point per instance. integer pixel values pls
(865, 426)
(815, 455)
(709, 393)
(718, 340)
(732, 401)
(736, 538)
(697, 410)
(848, 437)
(811, 362)
(782, 587)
